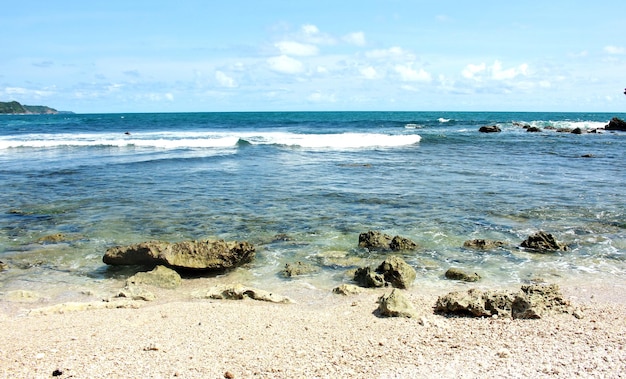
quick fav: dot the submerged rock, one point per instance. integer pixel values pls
(489, 129)
(210, 255)
(531, 302)
(365, 277)
(374, 240)
(458, 274)
(482, 244)
(395, 304)
(52, 238)
(298, 268)
(542, 241)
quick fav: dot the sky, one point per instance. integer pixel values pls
(285, 55)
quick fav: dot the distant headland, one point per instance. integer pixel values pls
(13, 107)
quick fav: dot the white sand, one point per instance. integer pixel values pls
(332, 337)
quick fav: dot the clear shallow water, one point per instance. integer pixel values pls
(319, 178)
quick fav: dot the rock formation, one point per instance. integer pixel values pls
(210, 255)
(616, 124)
(395, 304)
(240, 292)
(374, 240)
(531, 302)
(542, 241)
(393, 271)
(482, 244)
(458, 274)
(489, 129)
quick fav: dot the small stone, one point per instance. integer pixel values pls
(229, 375)
(504, 353)
(57, 372)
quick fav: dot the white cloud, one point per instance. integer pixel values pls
(285, 65)
(471, 70)
(296, 48)
(309, 29)
(614, 50)
(28, 92)
(498, 73)
(476, 71)
(408, 74)
(392, 52)
(224, 80)
(369, 72)
(356, 38)
(319, 97)
(311, 33)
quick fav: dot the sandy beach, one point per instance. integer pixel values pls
(331, 336)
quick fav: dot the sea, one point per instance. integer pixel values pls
(302, 186)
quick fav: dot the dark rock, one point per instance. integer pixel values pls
(482, 244)
(533, 129)
(542, 241)
(396, 304)
(374, 240)
(210, 255)
(298, 268)
(587, 156)
(616, 124)
(531, 302)
(577, 131)
(397, 272)
(365, 277)
(489, 129)
(458, 274)
(401, 244)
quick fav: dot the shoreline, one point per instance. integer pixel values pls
(331, 336)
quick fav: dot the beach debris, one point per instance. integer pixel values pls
(458, 274)
(229, 375)
(240, 292)
(347, 289)
(208, 255)
(542, 241)
(375, 240)
(396, 304)
(531, 302)
(393, 271)
(298, 268)
(161, 276)
(616, 123)
(483, 244)
(489, 129)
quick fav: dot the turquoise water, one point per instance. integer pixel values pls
(319, 178)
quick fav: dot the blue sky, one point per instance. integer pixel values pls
(274, 55)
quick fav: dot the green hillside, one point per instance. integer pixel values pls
(13, 107)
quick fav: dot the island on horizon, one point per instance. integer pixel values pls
(14, 107)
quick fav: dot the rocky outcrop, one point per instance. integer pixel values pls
(543, 242)
(531, 302)
(458, 274)
(395, 304)
(616, 124)
(533, 129)
(210, 255)
(482, 244)
(374, 240)
(393, 271)
(489, 129)
(240, 292)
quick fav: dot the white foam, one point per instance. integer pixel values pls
(175, 140)
(441, 119)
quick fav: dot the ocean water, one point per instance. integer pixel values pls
(303, 186)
